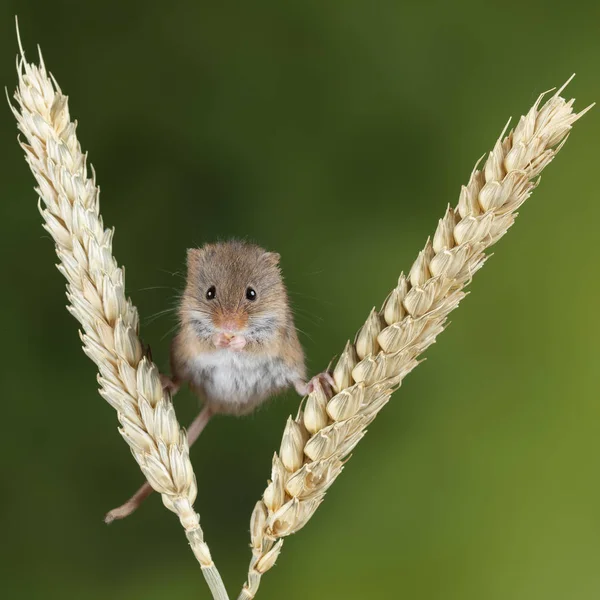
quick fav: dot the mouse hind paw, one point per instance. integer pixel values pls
(324, 379)
(172, 385)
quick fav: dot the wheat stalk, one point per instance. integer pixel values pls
(129, 381)
(324, 432)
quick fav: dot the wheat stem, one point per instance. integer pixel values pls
(129, 380)
(316, 443)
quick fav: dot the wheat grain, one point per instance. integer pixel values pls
(129, 381)
(387, 347)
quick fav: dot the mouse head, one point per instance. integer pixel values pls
(234, 289)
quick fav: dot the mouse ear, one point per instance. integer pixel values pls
(272, 258)
(193, 256)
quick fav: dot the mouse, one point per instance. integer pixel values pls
(237, 344)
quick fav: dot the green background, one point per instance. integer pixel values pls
(334, 133)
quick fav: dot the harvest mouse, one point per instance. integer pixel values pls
(237, 343)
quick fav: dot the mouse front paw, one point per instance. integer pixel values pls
(237, 342)
(225, 340)
(221, 340)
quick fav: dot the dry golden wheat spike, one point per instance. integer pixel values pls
(129, 381)
(316, 443)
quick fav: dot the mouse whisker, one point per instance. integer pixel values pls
(158, 287)
(308, 316)
(304, 333)
(309, 297)
(151, 318)
(173, 273)
(169, 332)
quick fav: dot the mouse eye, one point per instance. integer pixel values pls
(211, 293)
(251, 294)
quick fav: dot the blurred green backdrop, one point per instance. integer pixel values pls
(334, 133)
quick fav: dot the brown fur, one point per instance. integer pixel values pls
(267, 323)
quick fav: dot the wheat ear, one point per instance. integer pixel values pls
(129, 381)
(387, 347)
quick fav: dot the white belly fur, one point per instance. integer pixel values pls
(237, 382)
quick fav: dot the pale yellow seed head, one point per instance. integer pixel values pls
(292, 445)
(268, 560)
(366, 339)
(342, 374)
(315, 409)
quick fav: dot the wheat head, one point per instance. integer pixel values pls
(129, 381)
(317, 442)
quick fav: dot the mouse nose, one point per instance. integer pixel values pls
(230, 325)
(232, 322)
